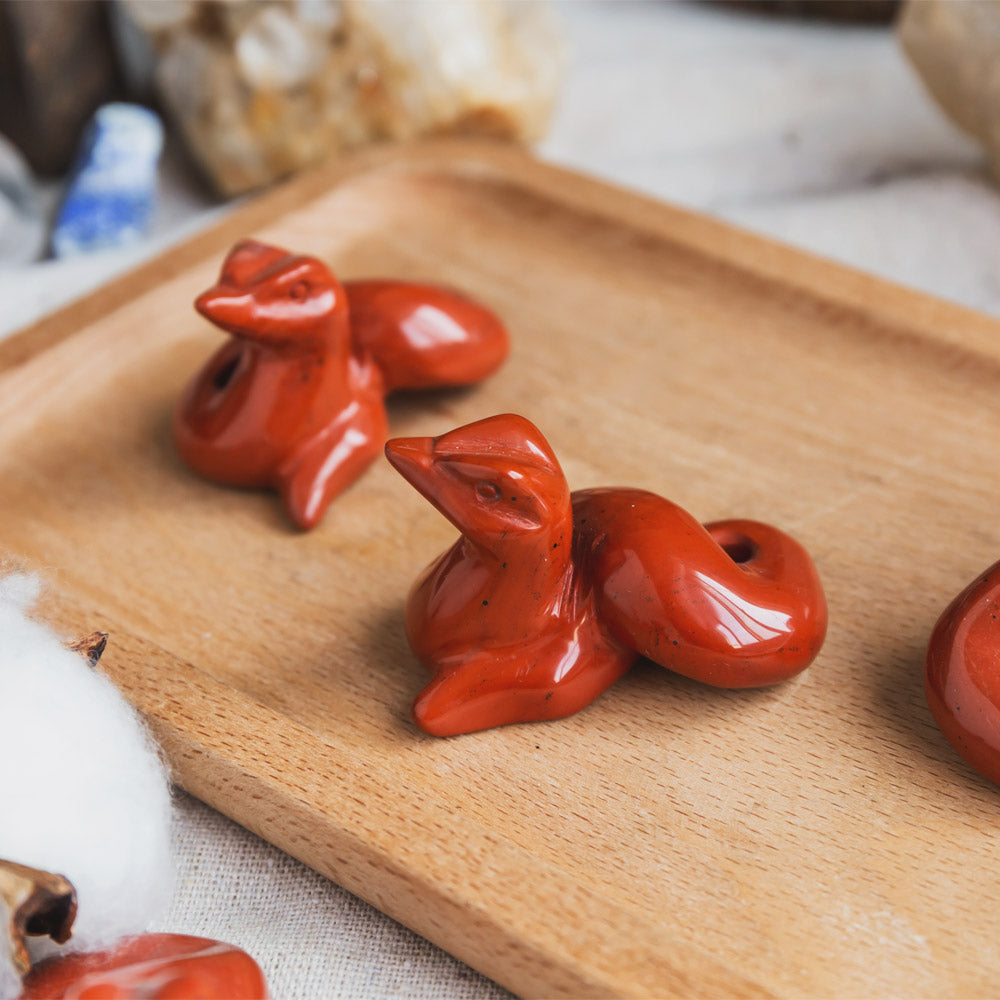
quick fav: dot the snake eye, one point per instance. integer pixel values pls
(299, 291)
(489, 492)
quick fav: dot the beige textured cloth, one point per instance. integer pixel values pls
(313, 939)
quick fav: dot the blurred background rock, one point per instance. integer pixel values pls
(253, 90)
(262, 88)
(956, 49)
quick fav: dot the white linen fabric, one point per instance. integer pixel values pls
(312, 939)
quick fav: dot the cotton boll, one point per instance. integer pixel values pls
(82, 789)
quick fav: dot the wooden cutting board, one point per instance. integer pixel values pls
(817, 839)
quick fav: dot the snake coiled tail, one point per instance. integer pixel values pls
(734, 603)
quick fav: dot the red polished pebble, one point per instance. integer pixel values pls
(548, 598)
(150, 967)
(962, 673)
(295, 400)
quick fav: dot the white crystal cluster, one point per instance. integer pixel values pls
(260, 88)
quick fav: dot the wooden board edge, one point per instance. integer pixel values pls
(531, 954)
(833, 283)
(244, 218)
(827, 281)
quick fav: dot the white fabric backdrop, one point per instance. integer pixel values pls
(821, 136)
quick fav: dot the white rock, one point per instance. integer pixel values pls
(276, 51)
(955, 47)
(266, 87)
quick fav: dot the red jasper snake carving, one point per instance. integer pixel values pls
(548, 597)
(294, 401)
(962, 673)
(150, 967)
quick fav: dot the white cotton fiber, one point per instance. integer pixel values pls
(83, 792)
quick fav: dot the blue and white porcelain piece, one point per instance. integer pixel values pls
(112, 190)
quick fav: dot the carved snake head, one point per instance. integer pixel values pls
(496, 480)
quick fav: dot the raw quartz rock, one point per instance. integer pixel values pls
(260, 88)
(956, 49)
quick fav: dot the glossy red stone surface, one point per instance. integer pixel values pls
(424, 336)
(150, 967)
(295, 400)
(962, 673)
(548, 597)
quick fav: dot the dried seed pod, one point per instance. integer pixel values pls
(39, 904)
(90, 646)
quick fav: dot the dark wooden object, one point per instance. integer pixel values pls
(57, 65)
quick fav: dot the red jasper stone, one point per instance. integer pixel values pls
(548, 597)
(962, 673)
(295, 400)
(734, 603)
(150, 967)
(424, 336)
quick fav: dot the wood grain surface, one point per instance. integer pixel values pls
(816, 839)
